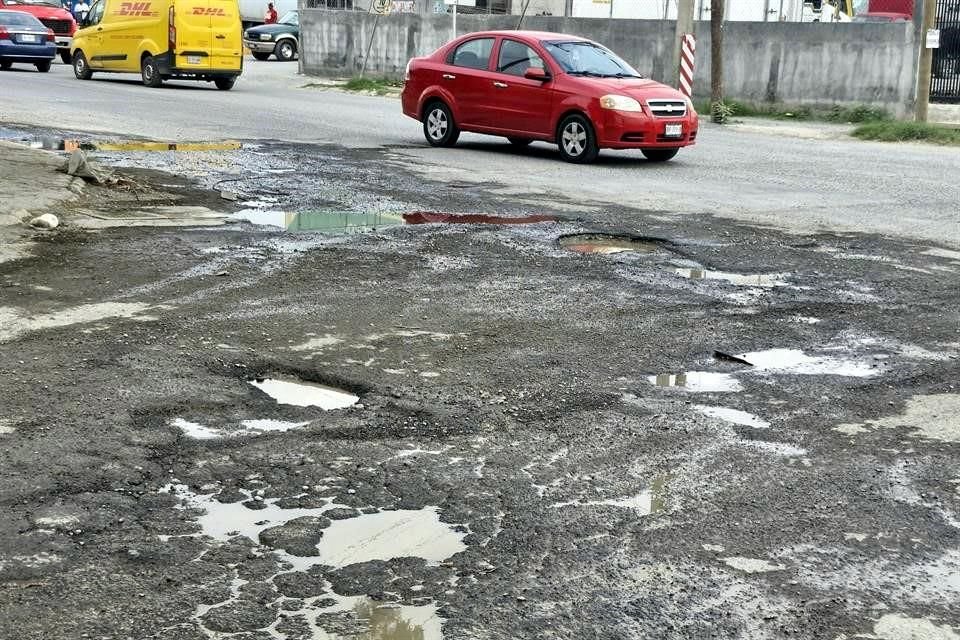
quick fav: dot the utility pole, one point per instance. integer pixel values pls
(684, 26)
(716, 54)
(924, 69)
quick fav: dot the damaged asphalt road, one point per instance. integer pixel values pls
(532, 441)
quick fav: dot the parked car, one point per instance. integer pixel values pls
(281, 39)
(162, 40)
(53, 16)
(528, 85)
(24, 39)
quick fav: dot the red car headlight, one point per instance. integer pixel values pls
(620, 103)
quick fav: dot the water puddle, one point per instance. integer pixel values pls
(738, 279)
(733, 416)
(305, 394)
(609, 244)
(198, 431)
(648, 501)
(377, 536)
(341, 222)
(751, 565)
(698, 381)
(426, 217)
(390, 534)
(379, 620)
(795, 361)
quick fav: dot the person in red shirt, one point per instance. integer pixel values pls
(271, 17)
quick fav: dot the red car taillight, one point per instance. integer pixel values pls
(171, 30)
(4, 34)
(50, 36)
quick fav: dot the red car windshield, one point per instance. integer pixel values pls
(589, 59)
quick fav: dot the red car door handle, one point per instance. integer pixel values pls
(500, 85)
(449, 76)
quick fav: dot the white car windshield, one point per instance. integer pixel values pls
(589, 59)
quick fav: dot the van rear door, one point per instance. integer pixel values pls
(227, 35)
(194, 36)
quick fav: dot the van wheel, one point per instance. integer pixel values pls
(285, 50)
(44, 67)
(81, 68)
(261, 55)
(65, 57)
(225, 84)
(150, 73)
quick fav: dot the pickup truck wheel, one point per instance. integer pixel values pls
(65, 57)
(44, 67)
(81, 68)
(659, 155)
(261, 55)
(225, 84)
(150, 73)
(285, 50)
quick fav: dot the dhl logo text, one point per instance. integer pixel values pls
(136, 9)
(208, 11)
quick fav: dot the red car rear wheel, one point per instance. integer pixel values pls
(439, 128)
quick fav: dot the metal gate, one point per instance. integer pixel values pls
(945, 80)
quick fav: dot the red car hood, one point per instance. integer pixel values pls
(39, 11)
(637, 88)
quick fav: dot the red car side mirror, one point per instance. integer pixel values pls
(534, 73)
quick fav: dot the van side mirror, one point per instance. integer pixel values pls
(534, 73)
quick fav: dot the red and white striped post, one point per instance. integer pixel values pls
(688, 50)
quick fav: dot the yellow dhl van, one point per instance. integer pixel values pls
(161, 39)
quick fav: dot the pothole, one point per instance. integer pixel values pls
(603, 243)
(427, 217)
(305, 394)
(697, 381)
(739, 279)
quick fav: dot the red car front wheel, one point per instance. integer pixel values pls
(577, 140)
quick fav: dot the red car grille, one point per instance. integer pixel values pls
(60, 27)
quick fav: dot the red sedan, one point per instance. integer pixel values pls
(528, 85)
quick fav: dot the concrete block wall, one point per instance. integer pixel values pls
(790, 63)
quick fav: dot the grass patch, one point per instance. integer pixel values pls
(855, 114)
(378, 86)
(907, 131)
